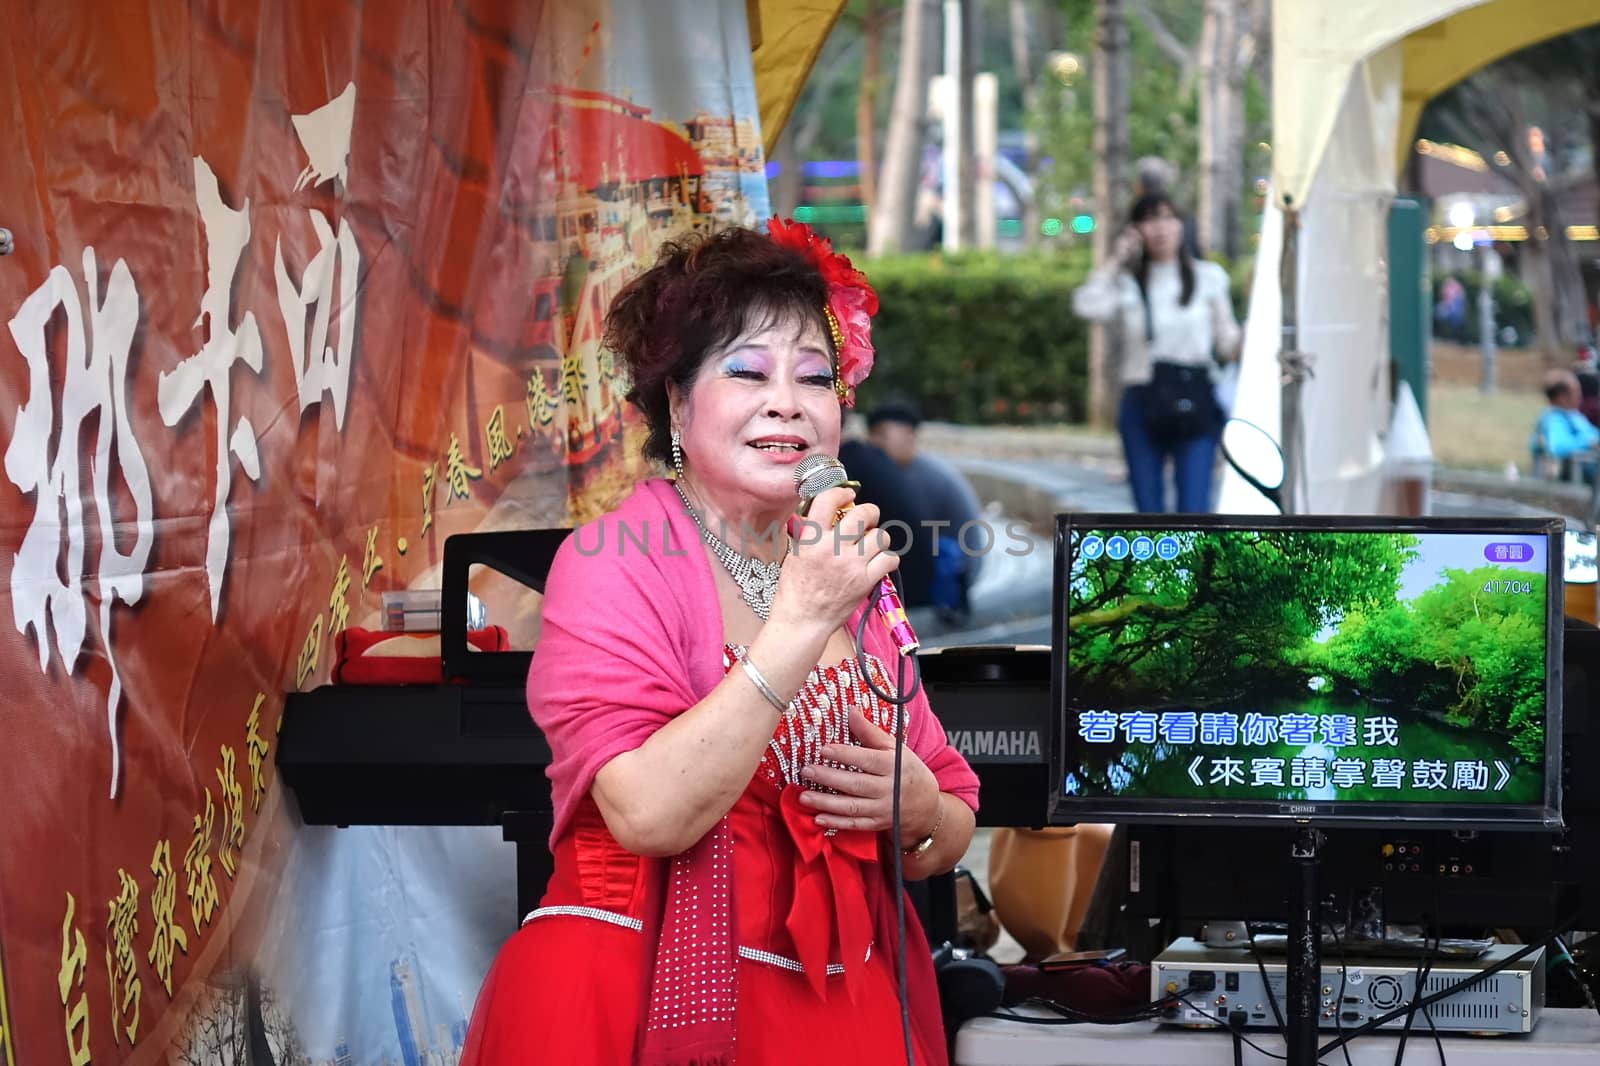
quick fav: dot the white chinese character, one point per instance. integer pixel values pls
(1178, 727)
(178, 390)
(1338, 730)
(1227, 772)
(325, 136)
(1098, 727)
(1266, 772)
(1471, 776)
(1426, 773)
(1381, 730)
(1500, 552)
(1219, 729)
(1348, 773)
(1298, 728)
(1260, 729)
(1388, 773)
(1308, 772)
(1139, 726)
(94, 385)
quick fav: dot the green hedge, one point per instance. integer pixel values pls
(978, 338)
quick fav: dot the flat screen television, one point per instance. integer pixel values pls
(1298, 669)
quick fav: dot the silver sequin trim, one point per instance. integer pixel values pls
(835, 969)
(585, 912)
(767, 958)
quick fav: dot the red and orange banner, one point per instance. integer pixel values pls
(299, 290)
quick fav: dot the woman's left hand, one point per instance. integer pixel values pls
(865, 798)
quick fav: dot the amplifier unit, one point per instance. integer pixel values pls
(1224, 980)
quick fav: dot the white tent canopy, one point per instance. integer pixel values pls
(1317, 47)
(1349, 81)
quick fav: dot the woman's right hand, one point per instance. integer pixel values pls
(832, 569)
(1129, 246)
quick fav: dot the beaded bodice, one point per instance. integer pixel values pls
(819, 714)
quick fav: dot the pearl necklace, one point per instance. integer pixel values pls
(757, 581)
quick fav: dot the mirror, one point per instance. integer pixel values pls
(1255, 456)
(1579, 548)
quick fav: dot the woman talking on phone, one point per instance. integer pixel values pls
(1177, 327)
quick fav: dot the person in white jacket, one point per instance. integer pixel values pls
(1177, 326)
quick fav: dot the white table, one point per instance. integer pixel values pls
(1564, 1037)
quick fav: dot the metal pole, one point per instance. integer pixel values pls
(1304, 979)
(1487, 342)
(953, 90)
(1291, 434)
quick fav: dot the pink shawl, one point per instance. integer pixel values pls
(631, 636)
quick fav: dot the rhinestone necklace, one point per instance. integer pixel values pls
(757, 581)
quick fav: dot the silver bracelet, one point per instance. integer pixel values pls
(761, 683)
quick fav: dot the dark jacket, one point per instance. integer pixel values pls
(885, 484)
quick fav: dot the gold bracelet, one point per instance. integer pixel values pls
(927, 842)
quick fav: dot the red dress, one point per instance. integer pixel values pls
(570, 986)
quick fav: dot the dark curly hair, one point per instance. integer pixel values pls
(701, 294)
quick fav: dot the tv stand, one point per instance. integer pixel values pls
(1304, 976)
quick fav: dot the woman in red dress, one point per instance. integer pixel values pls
(722, 759)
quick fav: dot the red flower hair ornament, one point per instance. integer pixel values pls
(850, 307)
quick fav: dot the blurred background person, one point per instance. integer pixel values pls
(947, 501)
(884, 483)
(1564, 441)
(1177, 328)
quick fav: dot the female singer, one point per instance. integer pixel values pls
(721, 770)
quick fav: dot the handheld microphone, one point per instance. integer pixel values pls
(816, 474)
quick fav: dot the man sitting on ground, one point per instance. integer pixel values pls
(945, 497)
(1562, 437)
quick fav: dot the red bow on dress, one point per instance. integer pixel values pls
(830, 906)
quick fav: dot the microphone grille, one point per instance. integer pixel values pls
(817, 473)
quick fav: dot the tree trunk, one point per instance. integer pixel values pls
(1261, 18)
(972, 186)
(1567, 291)
(890, 223)
(867, 103)
(1541, 285)
(1221, 126)
(1021, 58)
(800, 135)
(257, 1051)
(786, 187)
(1022, 61)
(1554, 278)
(1111, 76)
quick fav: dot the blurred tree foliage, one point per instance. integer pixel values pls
(1164, 121)
(1463, 646)
(1228, 606)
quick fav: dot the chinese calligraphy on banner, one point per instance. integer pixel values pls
(299, 291)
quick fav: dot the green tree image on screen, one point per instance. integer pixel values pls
(1294, 665)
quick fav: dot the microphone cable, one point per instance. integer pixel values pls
(898, 700)
(804, 479)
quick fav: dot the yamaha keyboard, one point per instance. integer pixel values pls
(466, 754)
